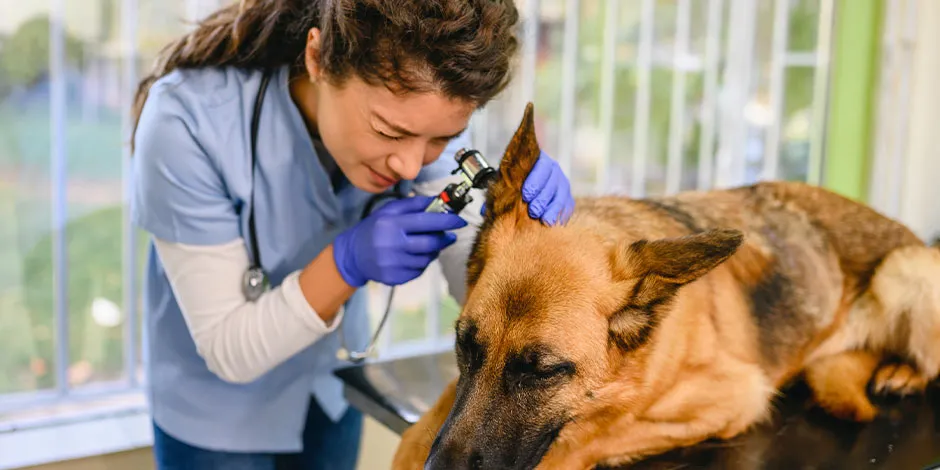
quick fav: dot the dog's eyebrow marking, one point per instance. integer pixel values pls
(469, 345)
(674, 211)
(521, 299)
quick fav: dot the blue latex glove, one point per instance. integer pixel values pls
(394, 244)
(547, 191)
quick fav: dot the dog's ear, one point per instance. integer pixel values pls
(505, 194)
(658, 269)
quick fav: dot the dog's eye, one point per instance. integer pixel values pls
(564, 368)
(532, 370)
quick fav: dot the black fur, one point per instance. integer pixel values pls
(674, 211)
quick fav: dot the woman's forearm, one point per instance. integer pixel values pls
(323, 287)
(242, 340)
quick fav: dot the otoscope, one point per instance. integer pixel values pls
(477, 173)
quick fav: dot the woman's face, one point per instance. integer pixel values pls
(375, 136)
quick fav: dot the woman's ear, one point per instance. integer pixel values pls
(312, 54)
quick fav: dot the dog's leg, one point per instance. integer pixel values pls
(907, 288)
(416, 441)
(839, 383)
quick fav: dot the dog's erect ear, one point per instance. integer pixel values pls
(505, 194)
(658, 269)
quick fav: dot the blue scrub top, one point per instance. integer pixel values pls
(192, 175)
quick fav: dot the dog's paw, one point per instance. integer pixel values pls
(859, 410)
(898, 379)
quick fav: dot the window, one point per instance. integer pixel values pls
(70, 278)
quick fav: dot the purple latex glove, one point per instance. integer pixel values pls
(394, 244)
(547, 191)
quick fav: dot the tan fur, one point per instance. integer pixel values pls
(839, 384)
(645, 325)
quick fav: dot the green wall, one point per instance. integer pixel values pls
(852, 91)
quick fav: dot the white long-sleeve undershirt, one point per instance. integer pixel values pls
(241, 340)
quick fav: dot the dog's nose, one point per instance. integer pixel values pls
(475, 462)
(453, 462)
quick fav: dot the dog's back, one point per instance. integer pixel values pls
(808, 257)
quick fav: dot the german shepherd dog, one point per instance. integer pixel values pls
(645, 325)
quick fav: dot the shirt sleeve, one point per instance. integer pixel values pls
(179, 192)
(239, 340)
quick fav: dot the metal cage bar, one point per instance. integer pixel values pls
(607, 93)
(642, 113)
(569, 69)
(129, 76)
(530, 49)
(731, 157)
(59, 176)
(820, 91)
(777, 91)
(677, 111)
(709, 98)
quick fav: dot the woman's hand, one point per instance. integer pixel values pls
(394, 244)
(548, 192)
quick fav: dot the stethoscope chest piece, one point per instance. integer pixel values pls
(254, 283)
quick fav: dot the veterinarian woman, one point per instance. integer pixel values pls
(342, 101)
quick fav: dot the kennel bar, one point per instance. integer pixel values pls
(642, 113)
(58, 179)
(907, 37)
(569, 85)
(607, 93)
(890, 131)
(129, 263)
(710, 94)
(677, 98)
(777, 93)
(530, 50)
(820, 91)
(736, 88)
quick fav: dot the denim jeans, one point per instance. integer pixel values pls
(327, 446)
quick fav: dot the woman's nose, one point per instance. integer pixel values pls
(407, 163)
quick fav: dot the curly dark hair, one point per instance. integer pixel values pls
(462, 48)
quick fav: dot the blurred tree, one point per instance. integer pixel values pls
(94, 244)
(24, 57)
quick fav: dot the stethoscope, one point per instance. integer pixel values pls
(255, 280)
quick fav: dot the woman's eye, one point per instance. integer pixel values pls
(392, 137)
